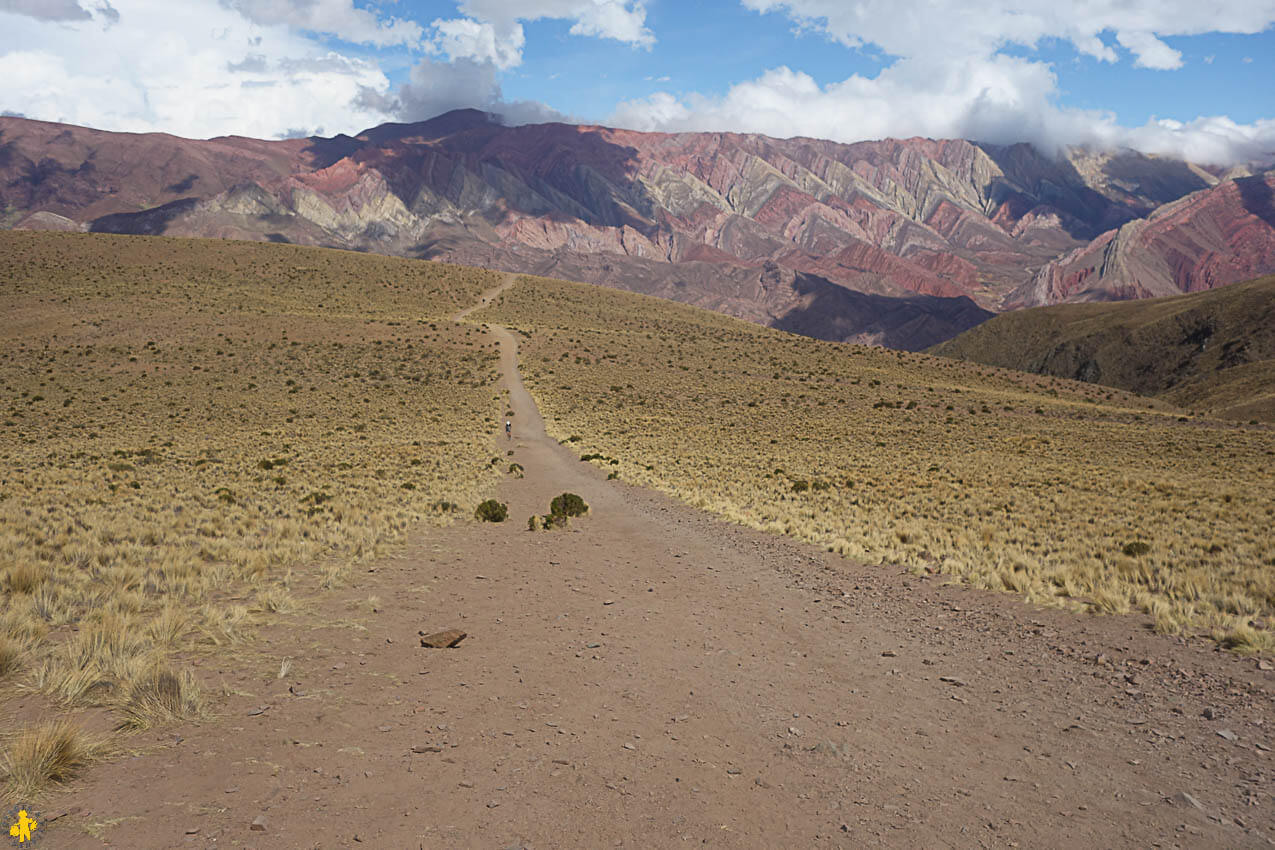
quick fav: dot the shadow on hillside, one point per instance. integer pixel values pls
(912, 324)
(464, 161)
(1257, 197)
(1146, 183)
(152, 222)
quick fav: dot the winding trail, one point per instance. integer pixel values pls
(653, 677)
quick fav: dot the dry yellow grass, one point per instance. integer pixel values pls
(182, 422)
(45, 754)
(1015, 482)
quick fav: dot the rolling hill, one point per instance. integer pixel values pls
(1211, 351)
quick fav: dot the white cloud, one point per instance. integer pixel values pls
(438, 87)
(955, 27)
(950, 78)
(338, 18)
(465, 38)
(622, 20)
(198, 68)
(1000, 99)
(1150, 52)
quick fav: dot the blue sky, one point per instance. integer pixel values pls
(1182, 77)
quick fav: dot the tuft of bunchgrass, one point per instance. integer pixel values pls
(25, 577)
(160, 696)
(10, 653)
(46, 754)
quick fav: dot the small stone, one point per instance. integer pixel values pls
(258, 824)
(1208, 713)
(608, 602)
(426, 748)
(491, 804)
(952, 680)
(1182, 798)
(733, 771)
(384, 728)
(261, 709)
(1227, 734)
(194, 830)
(466, 784)
(1263, 664)
(443, 640)
(629, 747)
(889, 653)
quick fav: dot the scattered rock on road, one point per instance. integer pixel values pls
(443, 640)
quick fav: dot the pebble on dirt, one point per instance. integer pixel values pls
(258, 824)
(443, 640)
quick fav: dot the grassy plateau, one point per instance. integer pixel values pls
(190, 428)
(1066, 493)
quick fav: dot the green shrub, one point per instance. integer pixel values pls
(1136, 548)
(516, 470)
(491, 511)
(567, 505)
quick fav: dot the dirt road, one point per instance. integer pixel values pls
(652, 677)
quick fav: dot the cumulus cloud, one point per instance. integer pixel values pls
(954, 27)
(269, 68)
(1150, 52)
(465, 38)
(951, 78)
(339, 18)
(198, 68)
(622, 20)
(437, 87)
(492, 29)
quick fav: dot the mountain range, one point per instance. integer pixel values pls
(903, 243)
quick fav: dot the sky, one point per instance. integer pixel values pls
(1186, 78)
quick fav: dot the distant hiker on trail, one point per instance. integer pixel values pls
(509, 430)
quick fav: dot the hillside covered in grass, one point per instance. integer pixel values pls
(188, 427)
(1210, 351)
(1067, 493)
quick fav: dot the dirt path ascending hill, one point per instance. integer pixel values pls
(652, 677)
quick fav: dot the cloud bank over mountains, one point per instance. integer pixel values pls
(952, 77)
(270, 68)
